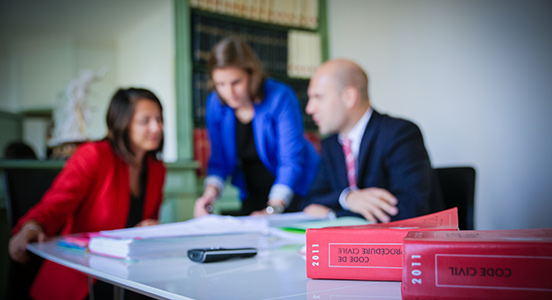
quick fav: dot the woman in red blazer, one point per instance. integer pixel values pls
(109, 184)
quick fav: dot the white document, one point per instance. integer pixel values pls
(174, 239)
(207, 225)
(212, 224)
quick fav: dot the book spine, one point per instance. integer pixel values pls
(476, 270)
(201, 149)
(197, 106)
(314, 139)
(354, 254)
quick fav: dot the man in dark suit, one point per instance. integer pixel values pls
(373, 165)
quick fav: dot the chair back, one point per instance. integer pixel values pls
(24, 188)
(458, 187)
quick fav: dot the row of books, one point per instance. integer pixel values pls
(270, 45)
(200, 91)
(202, 147)
(436, 261)
(293, 53)
(200, 86)
(304, 53)
(296, 13)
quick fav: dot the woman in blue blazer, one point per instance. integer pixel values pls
(256, 133)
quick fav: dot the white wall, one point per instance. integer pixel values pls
(146, 58)
(476, 76)
(37, 63)
(95, 56)
(37, 68)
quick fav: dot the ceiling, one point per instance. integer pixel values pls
(85, 19)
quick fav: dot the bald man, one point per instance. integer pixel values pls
(373, 165)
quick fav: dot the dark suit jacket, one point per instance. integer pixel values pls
(392, 156)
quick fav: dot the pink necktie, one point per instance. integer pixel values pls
(350, 162)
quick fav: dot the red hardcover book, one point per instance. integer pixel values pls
(367, 252)
(314, 139)
(202, 149)
(478, 264)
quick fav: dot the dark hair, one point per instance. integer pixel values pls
(119, 116)
(233, 51)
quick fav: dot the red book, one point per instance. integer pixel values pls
(478, 264)
(202, 149)
(314, 139)
(367, 252)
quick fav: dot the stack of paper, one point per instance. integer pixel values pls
(169, 239)
(172, 239)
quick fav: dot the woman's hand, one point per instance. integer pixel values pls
(316, 210)
(30, 232)
(147, 222)
(261, 212)
(277, 205)
(204, 204)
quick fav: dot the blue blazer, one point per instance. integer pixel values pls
(392, 156)
(279, 139)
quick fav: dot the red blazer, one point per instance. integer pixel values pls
(91, 193)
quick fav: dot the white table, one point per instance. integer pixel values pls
(275, 273)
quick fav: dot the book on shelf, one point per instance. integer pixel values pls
(309, 14)
(199, 97)
(252, 9)
(314, 139)
(225, 7)
(367, 252)
(304, 53)
(281, 12)
(264, 11)
(297, 13)
(478, 264)
(202, 150)
(270, 45)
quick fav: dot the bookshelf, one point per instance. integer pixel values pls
(200, 24)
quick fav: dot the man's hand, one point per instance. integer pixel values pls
(316, 210)
(373, 204)
(261, 212)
